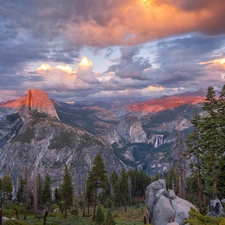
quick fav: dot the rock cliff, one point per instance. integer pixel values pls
(48, 145)
(35, 100)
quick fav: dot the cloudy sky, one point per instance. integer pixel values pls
(78, 49)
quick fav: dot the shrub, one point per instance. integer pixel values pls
(14, 222)
(196, 218)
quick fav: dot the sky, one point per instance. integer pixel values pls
(95, 49)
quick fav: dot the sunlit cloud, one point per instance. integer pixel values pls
(85, 62)
(65, 68)
(44, 67)
(221, 61)
(155, 88)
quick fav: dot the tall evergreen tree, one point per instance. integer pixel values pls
(47, 194)
(97, 178)
(117, 194)
(57, 197)
(27, 187)
(100, 217)
(39, 190)
(194, 154)
(20, 191)
(210, 144)
(67, 190)
(109, 219)
(221, 116)
(7, 187)
(124, 188)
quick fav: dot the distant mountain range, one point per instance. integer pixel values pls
(46, 134)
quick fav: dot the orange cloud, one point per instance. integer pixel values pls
(44, 67)
(220, 61)
(134, 22)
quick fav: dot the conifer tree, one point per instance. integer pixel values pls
(100, 217)
(97, 178)
(27, 189)
(109, 219)
(47, 194)
(39, 190)
(67, 190)
(20, 194)
(210, 144)
(7, 187)
(124, 188)
(221, 118)
(194, 154)
(117, 193)
(57, 197)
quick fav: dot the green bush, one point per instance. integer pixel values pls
(14, 222)
(195, 218)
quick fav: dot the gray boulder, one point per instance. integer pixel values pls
(165, 210)
(163, 206)
(4, 219)
(216, 208)
(173, 223)
(150, 195)
(182, 208)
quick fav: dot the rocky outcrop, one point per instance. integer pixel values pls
(216, 208)
(47, 145)
(35, 100)
(163, 206)
(130, 129)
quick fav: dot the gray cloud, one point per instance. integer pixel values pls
(129, 65)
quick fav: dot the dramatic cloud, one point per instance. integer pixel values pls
(139, 47)
(131, 66)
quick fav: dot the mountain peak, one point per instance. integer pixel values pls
(35, 100)
(169, 102)
(39, 101)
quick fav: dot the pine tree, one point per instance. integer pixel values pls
(67, 190)
(100, 217)
(39, 190)
(109, 219)
(7, 187)
(124, 188)
(221, 118)
(210, 144)
(97, 178)
(20, 194)
(47, 194)
(194, 154)
(117, 193)
(27, 189)
(57, 197)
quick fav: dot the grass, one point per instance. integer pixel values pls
(133, 216)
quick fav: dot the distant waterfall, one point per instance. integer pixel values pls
(159, 140)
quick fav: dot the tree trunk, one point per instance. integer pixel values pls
(1, 212)
(84, 205)
(125, 206)
(65, 213)
(95, 202)
(35, 193)
(17, 216)
(46, 213)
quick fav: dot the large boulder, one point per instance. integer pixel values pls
(163, 206)
(182, 208)
(216, 208)
(164, 209)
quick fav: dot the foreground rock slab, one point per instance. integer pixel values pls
(163, 206)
